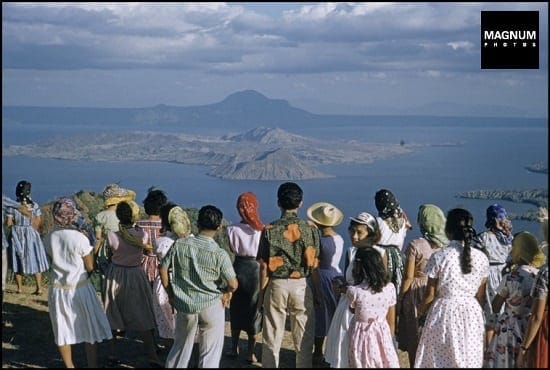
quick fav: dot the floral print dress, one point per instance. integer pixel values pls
(510, 327)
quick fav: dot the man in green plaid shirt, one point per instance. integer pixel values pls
(198, 264)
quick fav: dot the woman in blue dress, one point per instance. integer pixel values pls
(28, 253)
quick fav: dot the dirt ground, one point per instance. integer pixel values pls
(28, 341)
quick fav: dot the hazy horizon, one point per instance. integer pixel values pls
(327, 58)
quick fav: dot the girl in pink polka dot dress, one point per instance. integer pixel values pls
(373, 301)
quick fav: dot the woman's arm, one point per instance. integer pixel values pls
(533, 326)
(497, 303)
(430, 296)
(89, 262)
(408, 275)
(390, 318)
(480, 295)
(36, 222)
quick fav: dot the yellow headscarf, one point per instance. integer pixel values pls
(525, 249)
(114, 194)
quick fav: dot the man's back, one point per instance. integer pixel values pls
(290, 245)
(198, 264)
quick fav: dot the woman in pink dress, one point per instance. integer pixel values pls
(152, 203)
(431, 221)
(373, 302)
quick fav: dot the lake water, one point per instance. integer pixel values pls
(494, 156)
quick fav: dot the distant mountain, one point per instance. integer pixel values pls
(242, 110)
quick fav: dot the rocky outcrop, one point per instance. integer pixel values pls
(537, 197)
(278, 164)
(539, 167)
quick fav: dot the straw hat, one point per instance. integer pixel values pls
(114, 194)
(325, 214)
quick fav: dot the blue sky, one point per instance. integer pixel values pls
(357, 58)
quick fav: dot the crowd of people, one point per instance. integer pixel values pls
(452, 298)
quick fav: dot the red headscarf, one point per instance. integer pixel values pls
(247, 205)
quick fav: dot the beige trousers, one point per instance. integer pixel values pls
(295, 297)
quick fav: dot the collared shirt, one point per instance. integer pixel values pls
(199, 265)
(288, 246)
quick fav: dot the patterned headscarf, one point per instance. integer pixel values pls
(67, 216)
(179, 221)
(65, 213)
(247, 205)
(388, 209)
(497, 212)
(431, 221)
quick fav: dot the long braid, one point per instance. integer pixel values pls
(466, 255)
(459, 226)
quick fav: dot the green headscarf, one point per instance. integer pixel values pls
(431, 221)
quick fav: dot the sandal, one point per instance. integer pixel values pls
(251, 359)
(38, 292)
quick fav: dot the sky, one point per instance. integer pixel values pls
(342, 58)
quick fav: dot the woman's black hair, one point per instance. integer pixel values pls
(154, 200)
(23, 192)
(459, 226)
(124, 213)
(371, 269)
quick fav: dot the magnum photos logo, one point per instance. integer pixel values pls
(509, 40)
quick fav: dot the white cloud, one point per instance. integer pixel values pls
(340, 44)
(461, 45)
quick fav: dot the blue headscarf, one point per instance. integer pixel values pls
(497, 212)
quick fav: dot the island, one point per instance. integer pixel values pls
(537, 197)
(262, 153)
(539, 167)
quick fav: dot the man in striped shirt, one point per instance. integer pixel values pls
(198, 264)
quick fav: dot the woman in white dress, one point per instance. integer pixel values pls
(75, 311)
(364, 232)
(496, 242)
(454, 331)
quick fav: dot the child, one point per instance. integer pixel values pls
(373, 301)
(364, 232)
